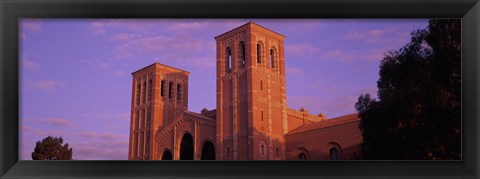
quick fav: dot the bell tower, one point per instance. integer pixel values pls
(159, 96)
(251, 96)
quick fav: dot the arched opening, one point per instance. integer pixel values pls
(259, 53)
(167, 155)
(162, 88)
(263, 150)
(186, 147)
(334, 154)
(170, 88)
(272, 58)
(302, 156)
(334, 151)
(179, 92)
(208, 151)
(242, 51)
(228, 59)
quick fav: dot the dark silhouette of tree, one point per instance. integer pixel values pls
(51, 148)
(417, 114)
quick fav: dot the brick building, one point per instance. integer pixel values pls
(251, 121)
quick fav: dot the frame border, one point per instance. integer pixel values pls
(12, 10)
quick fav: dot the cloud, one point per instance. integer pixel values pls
(31, 25)
(351, 56)
(22, 35)
(58, 122)
(123, 37)
(187, 26)
(43, 85)
(294, 70)
(103, 65)
(301, 50)
(157, 44)
(390, 37)
(96, 64)
(88, 134)
(101, 146)
(97, 27)
(119, 73)
(367, 34)
(206, 62)
(28, 64)
(118, 116)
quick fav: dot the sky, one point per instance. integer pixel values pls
(76, 73)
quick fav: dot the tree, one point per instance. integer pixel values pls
(417, 114)
(51, 148)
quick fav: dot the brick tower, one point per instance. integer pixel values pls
(159, 95)
(251, 97)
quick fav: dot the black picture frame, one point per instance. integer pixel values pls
(12, 10)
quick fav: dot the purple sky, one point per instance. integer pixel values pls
(75, 74)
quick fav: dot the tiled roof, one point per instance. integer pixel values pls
(326, 123)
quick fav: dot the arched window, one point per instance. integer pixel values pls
(162, 87)
(138, 93)
(228, 152)
(242, 51)
(261, 113)
(150, 87)
(144, 92)
(259, 53)
(179, 92)
(229, 59)
(334, 154)
(334, 151)
(263, 150)
(302, 154)
(170, 88)
(261, 85)
(272, 58)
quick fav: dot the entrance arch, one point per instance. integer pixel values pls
(186, 147)
(167, 155)
(208, 151)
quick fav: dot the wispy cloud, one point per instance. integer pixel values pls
(365, 34)
(30, 25)
(349, 56)
(302, 50)
(28, 64)
(101, 146)
(187, 26)
(123, 36)
(205, 62)
(48, 85)
(294, 70)
(118, 73)
(158, 44)
(58, 122)
(117, 116)
(96, 63)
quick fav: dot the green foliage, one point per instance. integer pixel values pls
(51, 148)
(418, 114)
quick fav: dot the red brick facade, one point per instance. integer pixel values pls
(251, 121)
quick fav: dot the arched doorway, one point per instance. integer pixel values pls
(302, 154)
(333, 153)
(186, 147)
(167, 155)
(208, 151)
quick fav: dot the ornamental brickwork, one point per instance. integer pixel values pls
(251, 121)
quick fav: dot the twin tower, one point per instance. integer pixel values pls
(250, 120)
